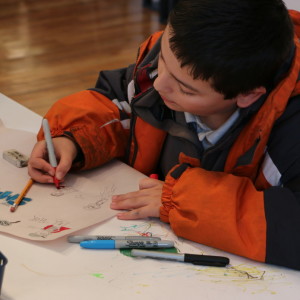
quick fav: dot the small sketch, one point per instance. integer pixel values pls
(257, 275)
(65, 191)
(4, 202)
(7, 223)
(38, 219)
(57, 227)
(103, 197)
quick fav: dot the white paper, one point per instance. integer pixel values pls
(47, 213)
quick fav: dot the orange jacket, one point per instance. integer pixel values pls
(225, 210)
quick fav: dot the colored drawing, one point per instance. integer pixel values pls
(140, 229)
(50, 229)
(9, 198)
(98, 275)
(236, 273)
(245, 277)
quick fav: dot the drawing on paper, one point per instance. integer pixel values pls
(233, 273)
(38, 219)
(253, 274)
(7, 198)
(103, 197)
(83, 202)
(7, 223)
(44, 232)
(238, 273)
(67, 190)
(140, 229)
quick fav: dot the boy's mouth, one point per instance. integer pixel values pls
(167, 100)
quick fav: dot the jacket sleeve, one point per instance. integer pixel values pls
(215, 209)
(228, 212)
(97, 119)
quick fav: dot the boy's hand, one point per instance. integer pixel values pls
(141, 204)
(39, 168)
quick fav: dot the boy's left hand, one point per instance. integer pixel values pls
(141, 204)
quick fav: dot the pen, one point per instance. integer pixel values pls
(21, 196)
(196, 259)
(81, 238)
(117, 244)
(51, 153)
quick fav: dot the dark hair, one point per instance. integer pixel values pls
(238, 44)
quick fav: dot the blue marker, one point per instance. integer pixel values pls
(196, 259)
(117, 244)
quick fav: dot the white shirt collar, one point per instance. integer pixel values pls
(208, 136)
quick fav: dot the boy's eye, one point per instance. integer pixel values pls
(186, 93)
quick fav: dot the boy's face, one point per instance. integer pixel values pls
(181, 92)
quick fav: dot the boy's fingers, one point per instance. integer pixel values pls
(42, 178)
(130, 196)
(41, 164)
(131, 203)
(38, 167)
(134, 214)
(62, 169)
(42, 173)
(147, 183)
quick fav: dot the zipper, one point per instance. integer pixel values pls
(132, 140)
(132, 137)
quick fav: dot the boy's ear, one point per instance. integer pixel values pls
(245, 100)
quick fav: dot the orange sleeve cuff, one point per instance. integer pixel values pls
(167, 198)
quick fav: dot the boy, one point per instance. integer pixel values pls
(212, 105)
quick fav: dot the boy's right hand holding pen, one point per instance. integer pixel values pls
(41, 169)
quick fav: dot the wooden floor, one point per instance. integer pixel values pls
(52, 48)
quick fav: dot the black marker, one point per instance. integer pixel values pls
(204, 260)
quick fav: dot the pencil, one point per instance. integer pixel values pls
(21, 196)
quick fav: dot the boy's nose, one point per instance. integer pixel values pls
(163, 85)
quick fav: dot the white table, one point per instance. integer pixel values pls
(292, 4)
(60, 270)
